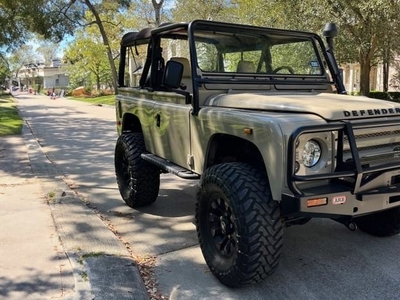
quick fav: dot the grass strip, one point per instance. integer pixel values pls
(105, 100)
(10, 121)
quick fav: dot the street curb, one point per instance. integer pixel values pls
(43, 169)
(62, 198)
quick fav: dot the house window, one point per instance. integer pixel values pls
(57, 82)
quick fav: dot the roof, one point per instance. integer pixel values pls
(179, 31)
(143, 36)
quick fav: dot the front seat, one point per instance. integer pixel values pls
(245, 66)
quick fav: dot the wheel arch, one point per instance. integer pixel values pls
(131, 123)
(228, 148)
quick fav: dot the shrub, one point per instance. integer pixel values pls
(379, 95)
(390, 96)
(81, 92)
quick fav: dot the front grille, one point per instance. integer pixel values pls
(375, 146)
(376, 134)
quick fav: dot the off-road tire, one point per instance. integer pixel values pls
(238, 224)
(138, 181)
(382, 224)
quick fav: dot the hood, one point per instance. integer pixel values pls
(328, 106)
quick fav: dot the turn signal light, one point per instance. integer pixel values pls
(317, 202)
(248, 131)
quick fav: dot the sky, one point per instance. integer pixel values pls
(60, 49)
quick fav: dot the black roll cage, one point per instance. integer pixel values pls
(152, 37)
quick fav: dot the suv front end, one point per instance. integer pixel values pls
(346, 168)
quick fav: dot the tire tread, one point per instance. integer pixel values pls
(262, 232)
(145, 177)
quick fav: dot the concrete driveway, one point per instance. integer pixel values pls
(320, 260)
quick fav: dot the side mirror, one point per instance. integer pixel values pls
(173, 74)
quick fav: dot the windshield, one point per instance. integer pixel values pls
(256, 53)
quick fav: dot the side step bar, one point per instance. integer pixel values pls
(169, 167)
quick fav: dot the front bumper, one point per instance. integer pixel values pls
(351, 190)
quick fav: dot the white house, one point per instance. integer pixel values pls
(351, 77)
(48, 77)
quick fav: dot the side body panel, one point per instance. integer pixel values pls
(139, 103)
(266, 136)
(164, 118)
(170, 131)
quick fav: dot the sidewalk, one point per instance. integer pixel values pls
(33, 264)
(52, 246)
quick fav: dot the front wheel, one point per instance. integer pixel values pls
(238, 224)
(384, 223)
(138, 181)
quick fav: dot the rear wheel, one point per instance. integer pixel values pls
(138, 181)
(238, 224)
(385, 223)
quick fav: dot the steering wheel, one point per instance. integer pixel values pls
(290, 69)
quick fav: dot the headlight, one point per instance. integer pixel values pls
(314, 153)
(311, 153)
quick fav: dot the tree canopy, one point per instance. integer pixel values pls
(86, 60)
(20, 18)
(367, 28)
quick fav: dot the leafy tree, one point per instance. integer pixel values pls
(188, 10)
(67, 15)
(19, 18)
(267, 13)
(151, 13)
(96, 11)
(22, 56)
(48, 50)
(4, 69)
(366, 27)
(389, 46)
(110, 19)
(87, 60)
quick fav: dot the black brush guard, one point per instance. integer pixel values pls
(346, 178)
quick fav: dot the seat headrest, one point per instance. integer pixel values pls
(186, 65)
(245, 66)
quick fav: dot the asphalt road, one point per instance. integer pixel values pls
(320, 260)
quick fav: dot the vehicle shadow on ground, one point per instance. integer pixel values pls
(164, 226)
(320, 260)
(176, 198)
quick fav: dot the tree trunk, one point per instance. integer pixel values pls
(98, 83)
(157, 11)
(365, 68)
(385, 76)
(106, 43)
(366, 53)
(365, 58)
(386, 64)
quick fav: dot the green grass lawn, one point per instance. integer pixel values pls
(107, 100)
(10, 121)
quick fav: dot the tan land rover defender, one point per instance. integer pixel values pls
(261, 117)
